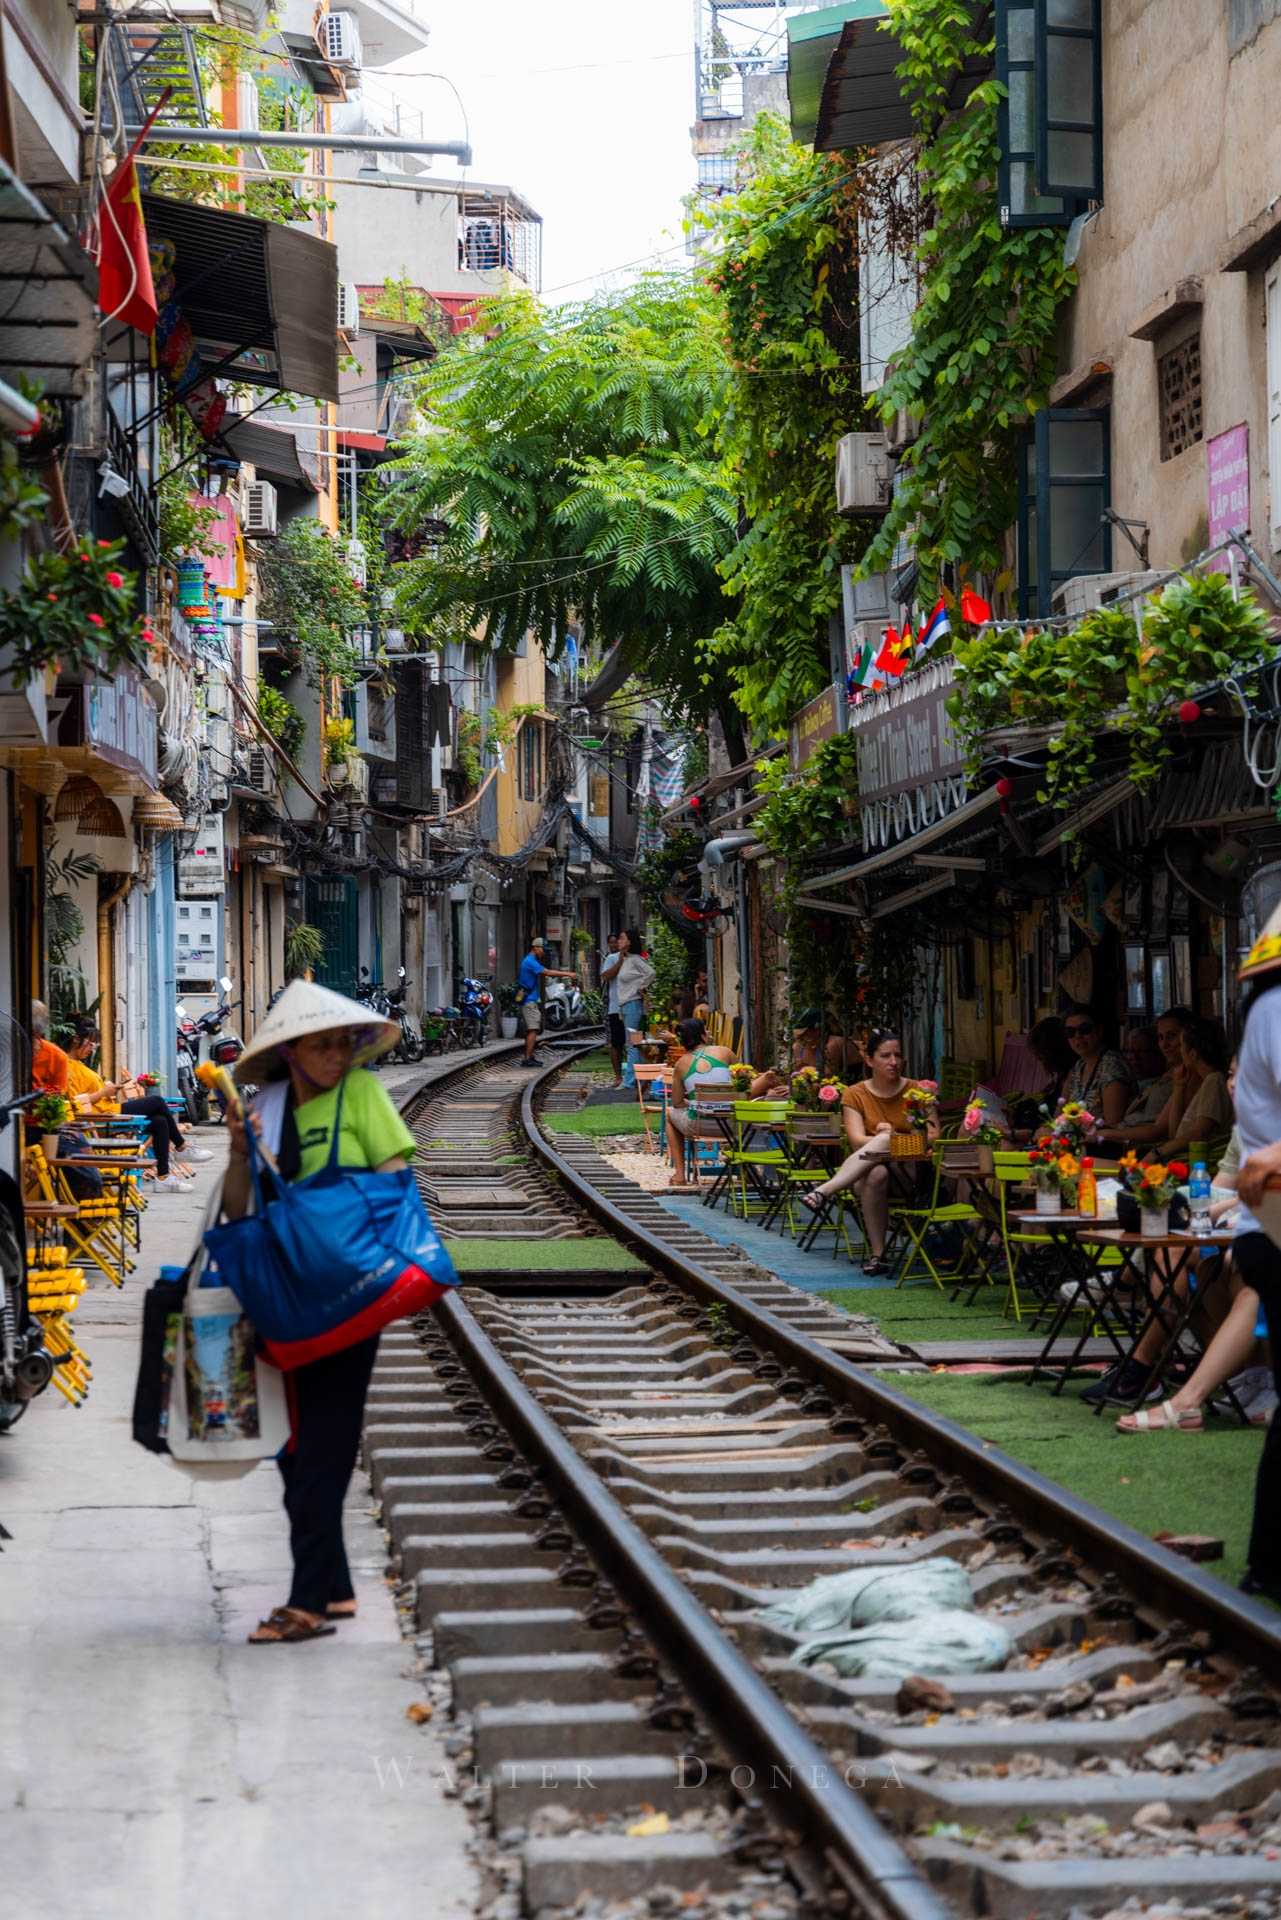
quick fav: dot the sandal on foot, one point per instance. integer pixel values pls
(875, 1265)
(285, 1625)
(1167, 1418)
(811, 1201)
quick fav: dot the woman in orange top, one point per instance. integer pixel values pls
(872, 1110)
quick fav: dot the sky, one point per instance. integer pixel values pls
(601, 150)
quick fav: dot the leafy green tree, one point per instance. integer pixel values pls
(568, 473)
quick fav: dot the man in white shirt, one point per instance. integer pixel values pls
(1256, 1249)
(610, 961)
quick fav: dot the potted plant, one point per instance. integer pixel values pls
(340, 746)
(50, 1113)
(304, 950)
(981, 1134)
(1055, 1175)
(1154, 1186)
(741, 1078)
(804, 1089)
(508, 1018)
(1073, 1125)
(921, 1102)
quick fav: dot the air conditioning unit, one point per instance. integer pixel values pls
(905, 430)
(1086, 591)
(262, 770)
(260, 510)
(338, 37)
(348, 307)
(864, 483)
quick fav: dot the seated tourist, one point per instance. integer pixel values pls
(1049, 1047)
(1151, 1099)
(832, 1055)
(872, 1110)
(48, 1063)
(1199, 1105)
(697, 1060)
(1100, 1080)
(93, 1094)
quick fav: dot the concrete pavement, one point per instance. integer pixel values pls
(151, 1762)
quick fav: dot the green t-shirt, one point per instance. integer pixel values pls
(372, 1130)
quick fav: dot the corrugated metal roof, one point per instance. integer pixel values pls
(265, 292)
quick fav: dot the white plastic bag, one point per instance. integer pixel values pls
(227, 1405)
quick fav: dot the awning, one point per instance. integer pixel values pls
(262, 299)
(48, 292)
(271, 451)
(906, 849)
(842, 79)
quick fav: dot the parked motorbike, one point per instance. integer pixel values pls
(203, 1038)
(563, 1004)
(474, 1004)
(26, 1365)
(410, 1045)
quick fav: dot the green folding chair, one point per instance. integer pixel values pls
(752, 1191)
(911, 1221)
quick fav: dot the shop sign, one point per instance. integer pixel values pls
(911, 770)
(1227, 466)
(120, 724)
(816, 722)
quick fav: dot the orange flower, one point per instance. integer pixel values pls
(1068, 1165)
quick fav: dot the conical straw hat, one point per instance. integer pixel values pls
(305, 1008)
(1265, 955)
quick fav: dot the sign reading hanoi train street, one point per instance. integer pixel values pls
(816, 722)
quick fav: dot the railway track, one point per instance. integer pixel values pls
(595, 1481)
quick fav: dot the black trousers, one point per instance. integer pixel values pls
(162, 1126)
(1260, 1267)
(328, 1403)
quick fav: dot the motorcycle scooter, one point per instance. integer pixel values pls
(223, 1049)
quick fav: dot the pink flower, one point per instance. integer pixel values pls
(94, 619)
(115, 580)
(1087, 1120)
(829, 1096)
(928, 1086)
(973, 1119)
(104, 544)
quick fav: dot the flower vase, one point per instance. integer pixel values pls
(49, 1141)
(986, 1159)
(509, 1024)
(1049, 1200)
(1154, 1222)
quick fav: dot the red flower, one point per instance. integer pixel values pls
(148, 636)
(115, 580)
(94, 619)
(51, 596)
(1178, 1169)
(104, 544)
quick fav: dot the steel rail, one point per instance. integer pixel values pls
(745, 1711)
(1160, 1579)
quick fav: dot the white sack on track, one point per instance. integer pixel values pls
(941, 1641)
(888, 1622)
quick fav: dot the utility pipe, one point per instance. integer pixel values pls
(459, 150)
(107, 977)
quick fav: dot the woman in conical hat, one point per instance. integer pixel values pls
(312, 1048)
(1256, 1249)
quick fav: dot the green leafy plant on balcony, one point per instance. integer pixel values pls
(340, 742)
(282, 719)
(304, 949)
(307, 590)
(468, 750)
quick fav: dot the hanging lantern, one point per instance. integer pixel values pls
(75, 797)
(102, 818)
(156, 813)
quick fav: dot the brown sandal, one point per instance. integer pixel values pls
(284, 1625)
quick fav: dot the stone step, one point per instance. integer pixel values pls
(561, 1872)
(534, 1730)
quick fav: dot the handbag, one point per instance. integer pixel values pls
(205, 1395)
(333, 1258)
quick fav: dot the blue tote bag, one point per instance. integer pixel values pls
(332, 1259)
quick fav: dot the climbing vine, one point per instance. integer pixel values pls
(982, 352)
(786, 283)
(808, 812)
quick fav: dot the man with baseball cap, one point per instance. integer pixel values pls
(529, 988)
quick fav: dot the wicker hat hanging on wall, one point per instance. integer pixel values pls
(83, 801)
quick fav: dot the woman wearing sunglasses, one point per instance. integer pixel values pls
(1100, 1080)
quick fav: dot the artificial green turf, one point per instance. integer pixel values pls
(918, 1313)
(1176, 1482)
(598, 1061)
(596, 1121)
(469, 1252)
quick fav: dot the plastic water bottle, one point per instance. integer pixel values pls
(1199, 1198)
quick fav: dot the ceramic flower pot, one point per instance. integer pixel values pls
(1154, 1222)
(509, 1025)
(1049, 1200)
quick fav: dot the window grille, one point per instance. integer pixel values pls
(1178, 375)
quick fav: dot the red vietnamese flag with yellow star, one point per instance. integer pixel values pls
(894, 651)
(125, 289)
